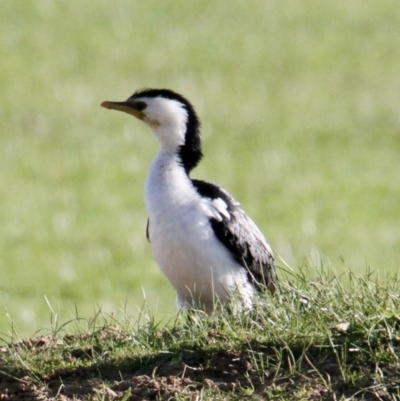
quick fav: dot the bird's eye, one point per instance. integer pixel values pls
(140, 106)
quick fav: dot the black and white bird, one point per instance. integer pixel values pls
(202, 240)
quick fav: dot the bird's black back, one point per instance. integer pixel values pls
(241, 237)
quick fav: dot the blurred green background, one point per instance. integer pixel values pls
(301, 122)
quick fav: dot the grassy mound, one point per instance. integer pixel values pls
(320, 338)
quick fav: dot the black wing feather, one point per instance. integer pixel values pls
(242, 238)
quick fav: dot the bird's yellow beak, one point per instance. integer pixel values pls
(127, 107)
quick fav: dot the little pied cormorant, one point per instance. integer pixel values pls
(205, 244)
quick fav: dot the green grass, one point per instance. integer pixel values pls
(300, 111)
(316, 339)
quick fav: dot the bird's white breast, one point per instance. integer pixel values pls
(182, 240)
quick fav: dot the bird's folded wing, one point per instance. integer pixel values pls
(238, 233)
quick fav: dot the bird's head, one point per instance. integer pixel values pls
(172, 119)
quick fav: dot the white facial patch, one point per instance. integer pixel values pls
(168, 120)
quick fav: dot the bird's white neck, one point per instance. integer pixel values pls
(167, 185)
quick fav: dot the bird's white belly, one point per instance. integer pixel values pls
(195, 262)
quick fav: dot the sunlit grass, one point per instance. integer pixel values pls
(300, 114)
(316, 338)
